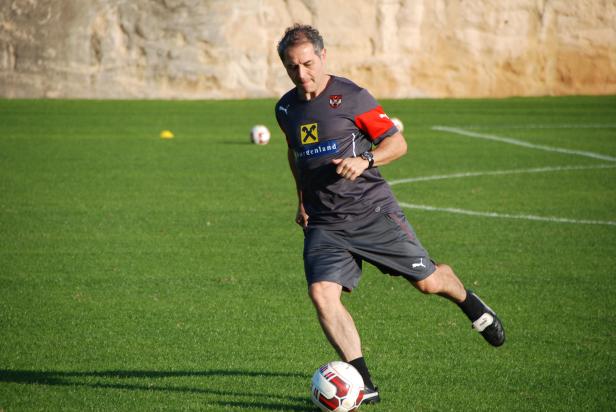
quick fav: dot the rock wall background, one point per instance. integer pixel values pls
(199, 49)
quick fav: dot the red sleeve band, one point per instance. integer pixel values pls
(374, 122)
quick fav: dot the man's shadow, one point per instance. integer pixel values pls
(121, 379)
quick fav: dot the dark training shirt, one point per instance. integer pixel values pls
(343, 121)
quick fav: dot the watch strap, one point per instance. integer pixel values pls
(369, 157)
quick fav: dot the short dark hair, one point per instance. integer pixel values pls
(298, 34)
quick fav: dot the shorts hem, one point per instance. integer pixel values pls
(345, 287)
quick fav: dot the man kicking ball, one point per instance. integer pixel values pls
(338, 136)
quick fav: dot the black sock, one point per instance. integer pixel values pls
(360, 365)
(472, 306)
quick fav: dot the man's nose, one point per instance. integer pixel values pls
(302, 72)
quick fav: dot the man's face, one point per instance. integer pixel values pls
(306, 69)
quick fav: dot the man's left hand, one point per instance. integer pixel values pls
(351, 167)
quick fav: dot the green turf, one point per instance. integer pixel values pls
(145, 274)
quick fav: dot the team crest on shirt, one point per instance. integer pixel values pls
(309, 133)
(335, 100)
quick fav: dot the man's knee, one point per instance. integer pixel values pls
(427, 285)
(324, 294)
(434, 282)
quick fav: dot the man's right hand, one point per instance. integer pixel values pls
(301, 218)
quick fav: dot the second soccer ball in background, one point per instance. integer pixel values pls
(260, 135)
(398, 123)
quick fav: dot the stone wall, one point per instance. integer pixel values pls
(200, 49)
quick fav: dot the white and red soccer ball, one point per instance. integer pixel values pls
(260, 134)
(338, 387)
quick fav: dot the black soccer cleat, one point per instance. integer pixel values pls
(371, 396)
(490, 327)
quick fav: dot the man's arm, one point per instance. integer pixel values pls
(301, 218)
(390, 149)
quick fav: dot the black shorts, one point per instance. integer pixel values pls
(388, 242)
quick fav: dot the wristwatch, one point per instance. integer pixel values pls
(369, 157)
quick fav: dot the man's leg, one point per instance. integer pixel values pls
(444, 282)
(335, 320)
(339, 327)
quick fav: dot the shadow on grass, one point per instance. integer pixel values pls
(122, 377)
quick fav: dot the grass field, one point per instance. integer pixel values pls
(138, 273)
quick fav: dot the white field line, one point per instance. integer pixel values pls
(497, 173)
(540, 126)
(522, 143)
(506, 215)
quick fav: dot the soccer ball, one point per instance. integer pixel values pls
(398, 123)
(260, 134)
(337, 386)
